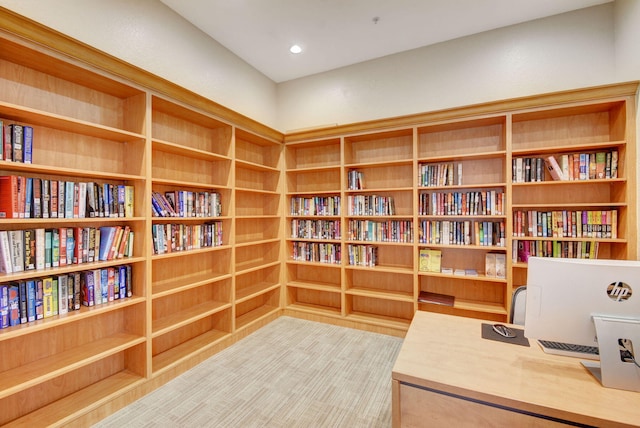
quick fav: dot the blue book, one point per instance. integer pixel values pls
(71, 243)
(88, 296)
(4, 306)
(104, 283)
(23, 302)
(27, 143)
(31, 300)
(28, 197)
(107, 234)
(123, 281)
(14, 305)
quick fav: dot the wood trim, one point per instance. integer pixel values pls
(459, 113)
(35, 32)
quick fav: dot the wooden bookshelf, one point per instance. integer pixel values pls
(401, 159)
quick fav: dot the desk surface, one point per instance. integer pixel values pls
(447, 353)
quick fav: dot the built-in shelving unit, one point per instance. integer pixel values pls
(451, 176)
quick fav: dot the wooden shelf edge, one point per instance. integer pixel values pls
(85, 400)
(182, 318)
(174, 356)
(32, 374)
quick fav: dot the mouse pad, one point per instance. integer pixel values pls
(488, 333)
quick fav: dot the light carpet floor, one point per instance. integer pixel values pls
(290, 373)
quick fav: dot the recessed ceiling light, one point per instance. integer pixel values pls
(296, 49)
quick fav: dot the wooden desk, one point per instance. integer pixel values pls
(447, 375)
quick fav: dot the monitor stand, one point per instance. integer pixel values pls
(614, 370)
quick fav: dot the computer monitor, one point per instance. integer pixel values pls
(589, 302)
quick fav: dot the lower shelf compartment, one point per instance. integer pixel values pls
(313, 300)
(175, 355)
(65, 410)
(256, 308)
(177, 344)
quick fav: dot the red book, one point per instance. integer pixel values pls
(9, 203)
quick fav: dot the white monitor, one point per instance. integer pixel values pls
(567, 298)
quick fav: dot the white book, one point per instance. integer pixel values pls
(6, 265)
(40, 248)
(82, 199)
(16, 243)
(63, 294)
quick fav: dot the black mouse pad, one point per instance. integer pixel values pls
(488, 333)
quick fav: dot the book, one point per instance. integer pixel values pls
(14, 304)
(129, 195)
(4, 306)
(490, 265)
(63, 294)
(45, 205)
(47, 297)
(1, 139)
(27, 143)
(17, 142)
(40, 244)
(9, 203)
(107, 236)
(31, 300)
(6, 137)
(501, 265)
(6, 264)
(39, 299)
(436, 298)
(16, 243)
(430, 260)
(88, 289)
(22, 290)
(554, 169)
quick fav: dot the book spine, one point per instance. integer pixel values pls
(17, 142)
(24, 314)
(27, 141)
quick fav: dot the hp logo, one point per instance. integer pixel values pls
(619, 291)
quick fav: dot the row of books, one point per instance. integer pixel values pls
(583, 166)
(523, 249)
(23, 302)
(173, 237)
(362, 255)
(370, 205)
(34, 197)
(440, 174)
(355, 180)
(468, 232)
(484, 202)
(34, 249)
(316, 252)
(16, 142)
(566, 223)
(316, 205)
(528, 169)
(430, 260)
(380, 231)
(315, 229)
(186, 203)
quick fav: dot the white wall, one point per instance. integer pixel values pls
(148, 34)
(565, 51)
(627, 39)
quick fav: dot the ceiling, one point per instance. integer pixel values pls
(337, 33)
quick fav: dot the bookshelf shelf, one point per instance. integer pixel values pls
(172, 357)
(72, 406)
